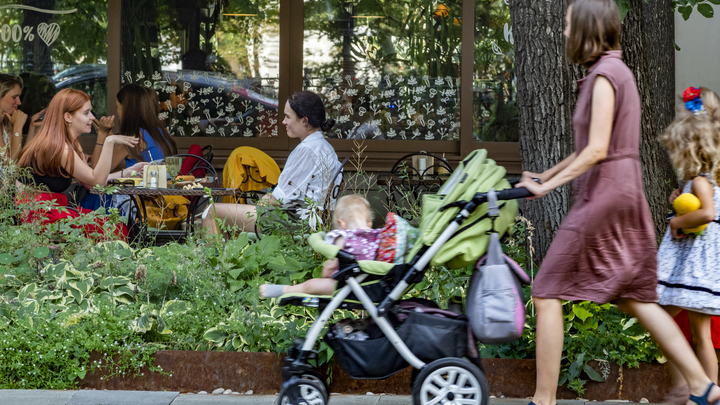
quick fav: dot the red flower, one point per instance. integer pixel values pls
(691, 93)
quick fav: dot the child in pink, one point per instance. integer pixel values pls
(354, 234)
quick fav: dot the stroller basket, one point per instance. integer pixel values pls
(429, 337)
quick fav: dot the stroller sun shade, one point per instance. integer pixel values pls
(476, 173)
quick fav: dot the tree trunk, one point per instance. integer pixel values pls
(547, 92)
(658, 174)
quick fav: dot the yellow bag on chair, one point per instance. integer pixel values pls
(166, 212)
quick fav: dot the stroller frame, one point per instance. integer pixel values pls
(301, 382)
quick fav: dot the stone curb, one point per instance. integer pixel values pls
(103, 397)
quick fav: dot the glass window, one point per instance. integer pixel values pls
(495, 115)
(55, 45)
(386, 69)
(214, 64)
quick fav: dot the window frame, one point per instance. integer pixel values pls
(381, 154)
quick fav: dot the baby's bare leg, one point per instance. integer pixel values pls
(329, 267)
(314, 286)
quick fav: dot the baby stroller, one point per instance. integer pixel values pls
(458, 224)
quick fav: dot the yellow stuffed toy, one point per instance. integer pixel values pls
(686, 203)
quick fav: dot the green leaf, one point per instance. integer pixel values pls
(685, 11)
(144, 323)
(574, 369)
(297, 276)
(235, 273)
(6, 258)
(624, 7)
(28, 308)
(215, 335)
(175, 307)
(715, 2)
(123, 289)
(115, 281)
(706, 10)
(594, 375)
(581, 312)
(77, 295)
(82, 286)
(41, 252)
(25, 291)
(629, 323)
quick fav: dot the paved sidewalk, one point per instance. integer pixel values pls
(96, 397)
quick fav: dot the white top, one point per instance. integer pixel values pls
(308, 171)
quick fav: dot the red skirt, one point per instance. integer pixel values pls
(684, 322)
(46, 217)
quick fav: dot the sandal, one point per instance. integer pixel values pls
(703, 400)
(677, 396)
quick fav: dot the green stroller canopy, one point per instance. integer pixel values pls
(476, 173)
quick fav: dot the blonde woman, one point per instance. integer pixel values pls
(13, 119)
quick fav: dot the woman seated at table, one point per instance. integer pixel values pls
(12, 119)
(56, 157)
(137, 110)
(308, 171)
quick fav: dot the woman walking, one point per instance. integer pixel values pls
(605, 250)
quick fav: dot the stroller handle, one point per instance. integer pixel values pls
(514, 193)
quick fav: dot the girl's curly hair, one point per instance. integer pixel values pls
(693, 140)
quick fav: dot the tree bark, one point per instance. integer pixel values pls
(546, 96)
(547, 93)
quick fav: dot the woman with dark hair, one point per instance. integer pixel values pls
(56, 157)
(605, 249)
(137, 110)
(307, 173)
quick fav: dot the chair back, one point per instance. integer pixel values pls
(249, 169)
(193, 165)
(198, 166)
(412, 176)
(336, 187)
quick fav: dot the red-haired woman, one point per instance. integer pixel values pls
(605, 249)
(55, 155)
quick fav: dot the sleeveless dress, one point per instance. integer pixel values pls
(687, 267)
(605, 248)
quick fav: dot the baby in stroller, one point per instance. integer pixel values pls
(354, 234)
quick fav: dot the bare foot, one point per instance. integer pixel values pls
(263, 290)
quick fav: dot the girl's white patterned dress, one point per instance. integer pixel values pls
(688, 275)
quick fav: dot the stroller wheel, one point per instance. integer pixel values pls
(450, 381)
(315, 377)
(303, 392)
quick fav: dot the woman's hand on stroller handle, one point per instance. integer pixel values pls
(533, 189)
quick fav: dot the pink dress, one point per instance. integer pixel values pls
(605, 248)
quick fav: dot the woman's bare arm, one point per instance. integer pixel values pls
(100, 173)
(601, 123)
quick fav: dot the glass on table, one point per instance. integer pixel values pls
(173, 164)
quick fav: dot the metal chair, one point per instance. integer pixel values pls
(407, 182)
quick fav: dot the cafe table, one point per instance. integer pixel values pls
(137, 212)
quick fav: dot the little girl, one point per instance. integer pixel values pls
(354, 234)
(687, 276)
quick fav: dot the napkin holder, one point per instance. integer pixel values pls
(161, 175)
